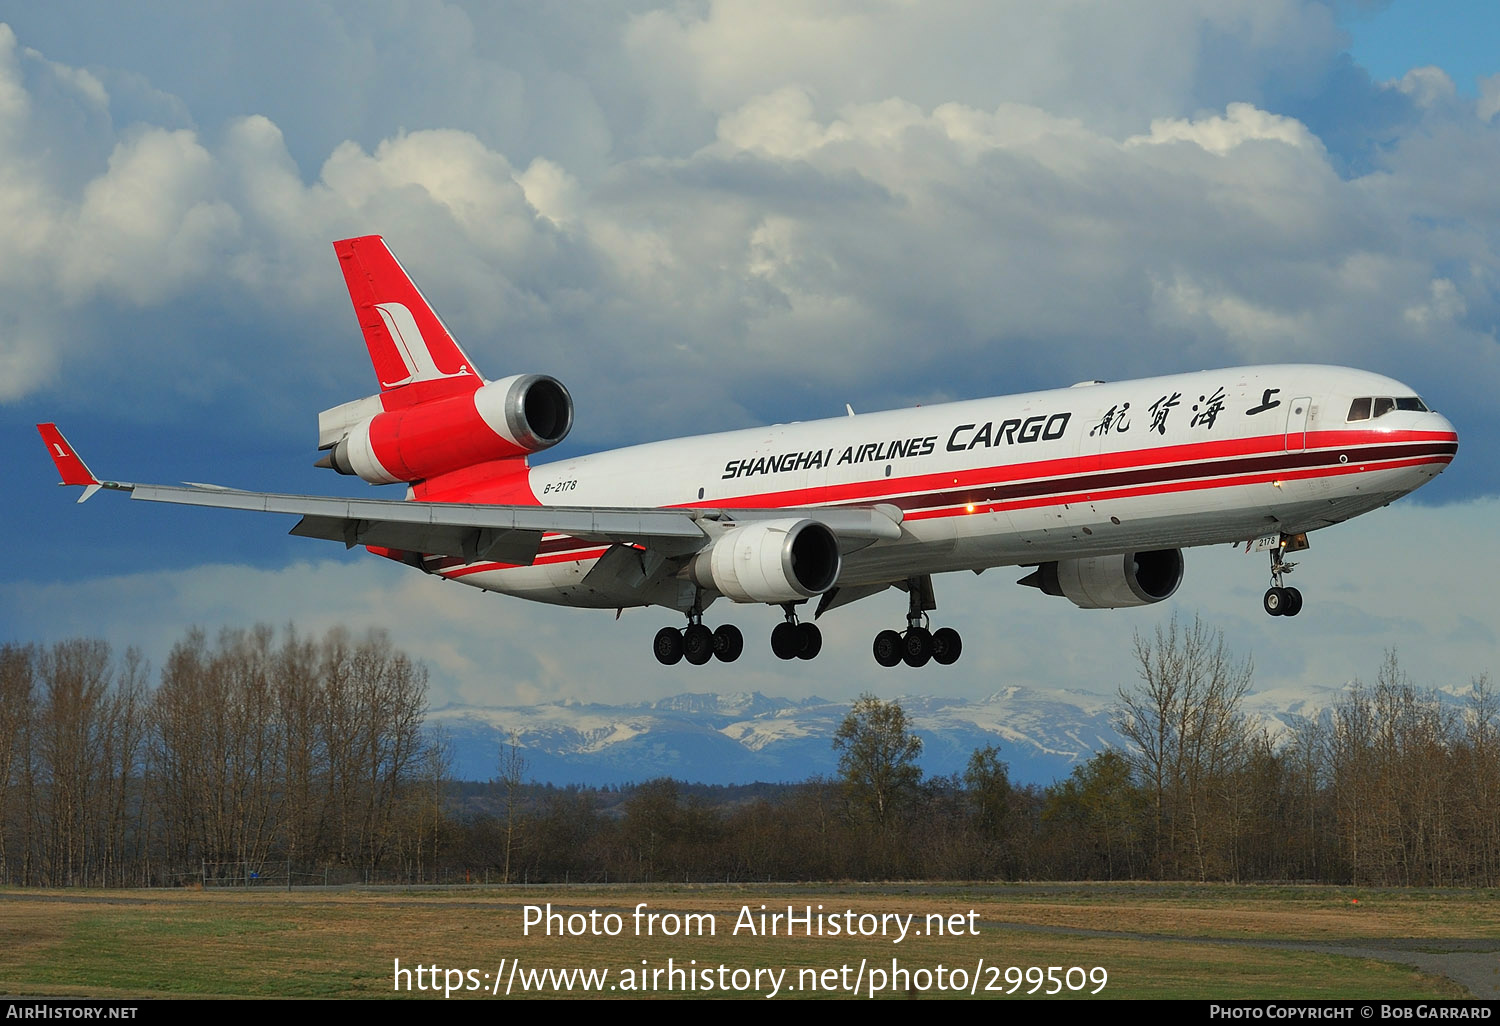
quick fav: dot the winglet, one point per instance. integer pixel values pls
(69, 464)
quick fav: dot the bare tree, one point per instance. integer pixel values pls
(299, 699)
(1480, 782)
(17, 681)
(1187, 735)
(512, 774)
(121, 751)
(71, 723)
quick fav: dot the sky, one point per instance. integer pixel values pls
(704, 216)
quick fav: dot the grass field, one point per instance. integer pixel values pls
(1157, 941)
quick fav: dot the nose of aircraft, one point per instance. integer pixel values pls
(1445, 438)
(1442, 425)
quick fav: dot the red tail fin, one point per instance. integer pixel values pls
(409, 344)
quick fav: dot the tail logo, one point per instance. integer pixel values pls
(411, 346)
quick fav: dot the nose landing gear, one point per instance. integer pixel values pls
(1280, 600)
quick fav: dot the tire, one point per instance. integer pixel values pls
(668, 646)
(947, 646)
(916, 647)
(728, 643)
(697, 644)
(1275, 601)
(812, 641)
(887, 648)
(786, 640)
(1293, 602)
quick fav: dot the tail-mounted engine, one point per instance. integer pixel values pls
(770, 561)
(1111, 582)
(501, 419)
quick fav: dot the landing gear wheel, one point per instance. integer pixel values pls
(1275, 601)
(917, 646)
(697, 644)
(786, 640)
(1293, 602)
(668, 646)
(812, 640)
(728, 643)
(1281, 600)
(947, 646)
(887, 648)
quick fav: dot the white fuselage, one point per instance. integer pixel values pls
(1189, 459)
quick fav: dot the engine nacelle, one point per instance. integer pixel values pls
(511, 417)
(771, 561)
(1111, 582)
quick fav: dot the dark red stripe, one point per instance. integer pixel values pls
(1216, 471)
(1084, 484)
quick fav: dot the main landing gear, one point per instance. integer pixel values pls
(918, 645)
(795, 639)
(792, 639)
(696, 643)
(1280, 600)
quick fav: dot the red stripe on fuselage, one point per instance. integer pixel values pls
(1136, 473)
(1200, 484)
(1093, 486)
(860, 492)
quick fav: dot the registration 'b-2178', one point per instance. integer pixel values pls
(1097, 487)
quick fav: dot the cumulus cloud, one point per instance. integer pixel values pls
(1115, 65)
(149, 226)
(815, 245)
(820, 206)
(1443, 306)
(1241, 123)
(1427, 85)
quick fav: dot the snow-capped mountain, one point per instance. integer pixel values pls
(745, 737)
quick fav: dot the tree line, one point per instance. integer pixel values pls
(251, 756)
(1392, 786)
(298, 759)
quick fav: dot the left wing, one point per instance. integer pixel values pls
(474, 532)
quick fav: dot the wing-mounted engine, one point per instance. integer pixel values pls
(1111, 582)
(770, 561)
(498, 420)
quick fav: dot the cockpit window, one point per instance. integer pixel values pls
(1366, 407)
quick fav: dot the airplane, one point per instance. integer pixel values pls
(1096, 488)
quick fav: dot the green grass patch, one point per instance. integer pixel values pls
(1155, 941)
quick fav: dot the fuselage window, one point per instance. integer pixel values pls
(1360, 409)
